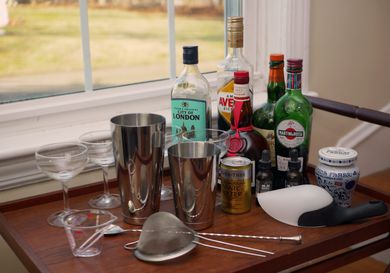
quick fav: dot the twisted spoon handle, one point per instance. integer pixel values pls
(295, 239)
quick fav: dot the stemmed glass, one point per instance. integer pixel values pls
(219, 137)
(172, 136)
(62, 162)
(100, 152)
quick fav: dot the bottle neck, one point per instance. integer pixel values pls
(235, 52)
(241, 115)
(294, 81)
(191, 69)
(275, 82)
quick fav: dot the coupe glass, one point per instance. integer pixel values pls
(218, 137)
(100, 152)
(172, 136)
(62, 162)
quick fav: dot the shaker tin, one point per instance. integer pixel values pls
(236, 179)
(337, 173)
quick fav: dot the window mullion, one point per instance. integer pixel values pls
(171, 38)
(85, 43)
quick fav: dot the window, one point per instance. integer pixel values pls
(27, 124)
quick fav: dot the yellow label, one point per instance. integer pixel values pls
(269, 135)
(226, 100)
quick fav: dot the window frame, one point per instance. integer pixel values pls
(26, 125)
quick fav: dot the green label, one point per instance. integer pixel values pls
(189, 114)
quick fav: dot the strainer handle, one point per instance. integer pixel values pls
(295, 239)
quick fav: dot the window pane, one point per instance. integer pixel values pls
(128, 42)
(200, 23)
(40, 51)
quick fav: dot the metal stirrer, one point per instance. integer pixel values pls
(114, 229)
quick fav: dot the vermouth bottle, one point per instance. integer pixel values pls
(234, 61)
(263, 118)
(244, 141)
(190, 96)
(293, 117)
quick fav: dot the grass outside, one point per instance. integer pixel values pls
(126, 46)
(44, 39)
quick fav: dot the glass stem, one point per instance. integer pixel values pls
(105, 180)
(65, 196)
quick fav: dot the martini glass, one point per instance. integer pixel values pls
(172, 136)
(62, 162)
(100, 152)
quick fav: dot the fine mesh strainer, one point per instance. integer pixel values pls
(165, 237)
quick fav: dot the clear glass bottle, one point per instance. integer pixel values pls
(263, 118)
(234, 61)
(191, 95)
(244, 141)
(293, 117)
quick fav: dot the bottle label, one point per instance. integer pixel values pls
(294, 80)
(290, 133)
(283, 163)
(188, 114)
(241, 92)
(269, 135)
(226, 100)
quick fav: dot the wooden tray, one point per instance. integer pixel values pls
(43, 248)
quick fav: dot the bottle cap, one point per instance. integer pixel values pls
(190, 54)
(241, 77)
(294, 65)
(337, 156)
(276, 57)
(265, 161)
(294, 163)
(235, 31)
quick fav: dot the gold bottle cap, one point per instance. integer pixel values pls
(235, 31)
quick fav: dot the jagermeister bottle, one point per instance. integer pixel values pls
(263, 118)
(244, 141)
(190, 96)
(234, 61)
(293, 116)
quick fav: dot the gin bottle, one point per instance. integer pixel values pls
(293, 116)
(234, 61)
(263, 118)
(190, 96)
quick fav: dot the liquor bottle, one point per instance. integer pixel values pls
(264, 175)
(190, 96)
(293, 176)
(234, 61)
(293, 116)
(263, 118)
(244, 141)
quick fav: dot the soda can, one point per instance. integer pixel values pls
(236, 178)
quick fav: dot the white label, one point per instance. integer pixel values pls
(283, 163)
(290, 133)
(241, 90)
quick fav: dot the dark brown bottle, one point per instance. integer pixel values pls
(244, 141)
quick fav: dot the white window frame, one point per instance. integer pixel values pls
(26, 125)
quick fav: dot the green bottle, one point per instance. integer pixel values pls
(293, 117)
(263, 118)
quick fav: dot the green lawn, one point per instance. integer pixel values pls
(42, 40)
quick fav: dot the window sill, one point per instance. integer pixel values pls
(28, 125)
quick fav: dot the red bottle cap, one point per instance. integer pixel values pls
(276, 57)
(241, 77)
(294, 65)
